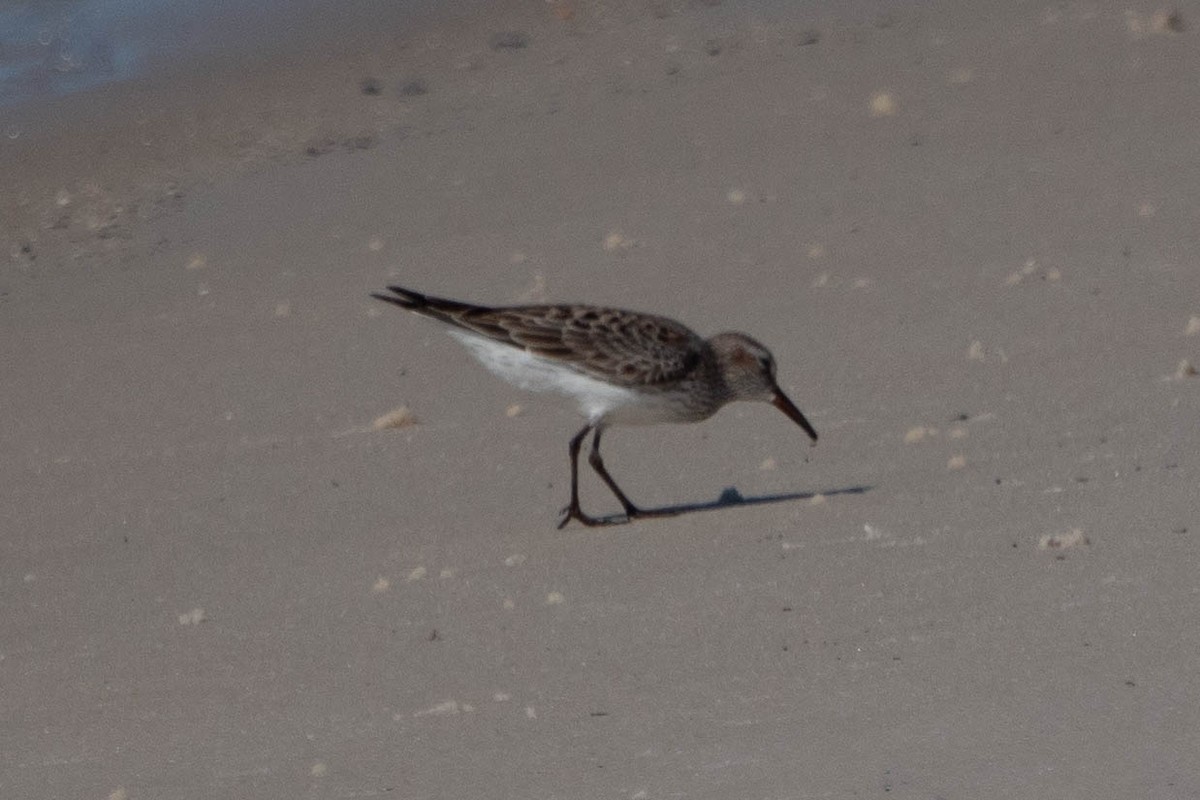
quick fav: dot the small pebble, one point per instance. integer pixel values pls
(918, 433)
(883, 104)
(193, 617)
(617, 241)
(508, 40)
(400, 417)
(1062, 541)
(414, 88)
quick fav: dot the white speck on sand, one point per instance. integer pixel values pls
(883, 104)
(440, 710)
(555, 599)
(446, 573)
(1027, 269)
(416, 574)
(1061, 541)
(975, 351)
(516, 559)
(400, 417)
(536, 292)
(509, 605)
(956, 462)
(193, 617)
(736, 196)
(318, 769)
(502, 697)
(918, 433)
(1193, 326)
(530, 712)
(381, 585)
(617, 241)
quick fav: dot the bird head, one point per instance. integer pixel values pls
(748, 369)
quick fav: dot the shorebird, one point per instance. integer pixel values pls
(623, 367)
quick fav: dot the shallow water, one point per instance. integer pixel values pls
(51, 48)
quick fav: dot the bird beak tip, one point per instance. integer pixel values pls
(785, 405)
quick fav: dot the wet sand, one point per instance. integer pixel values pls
(968, 233)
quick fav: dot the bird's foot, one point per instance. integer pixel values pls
(632, 512)
(574, 512)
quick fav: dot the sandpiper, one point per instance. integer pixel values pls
(623, 367)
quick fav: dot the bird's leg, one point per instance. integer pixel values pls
(573, 511)
(631, 511)
(597, 463)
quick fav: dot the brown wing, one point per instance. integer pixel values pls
(622, 347)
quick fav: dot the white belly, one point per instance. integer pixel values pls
(598, 401)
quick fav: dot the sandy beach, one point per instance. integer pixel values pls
(969, 232)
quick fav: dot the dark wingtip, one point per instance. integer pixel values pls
(405, 298)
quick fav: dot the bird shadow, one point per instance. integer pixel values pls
(730, 497)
